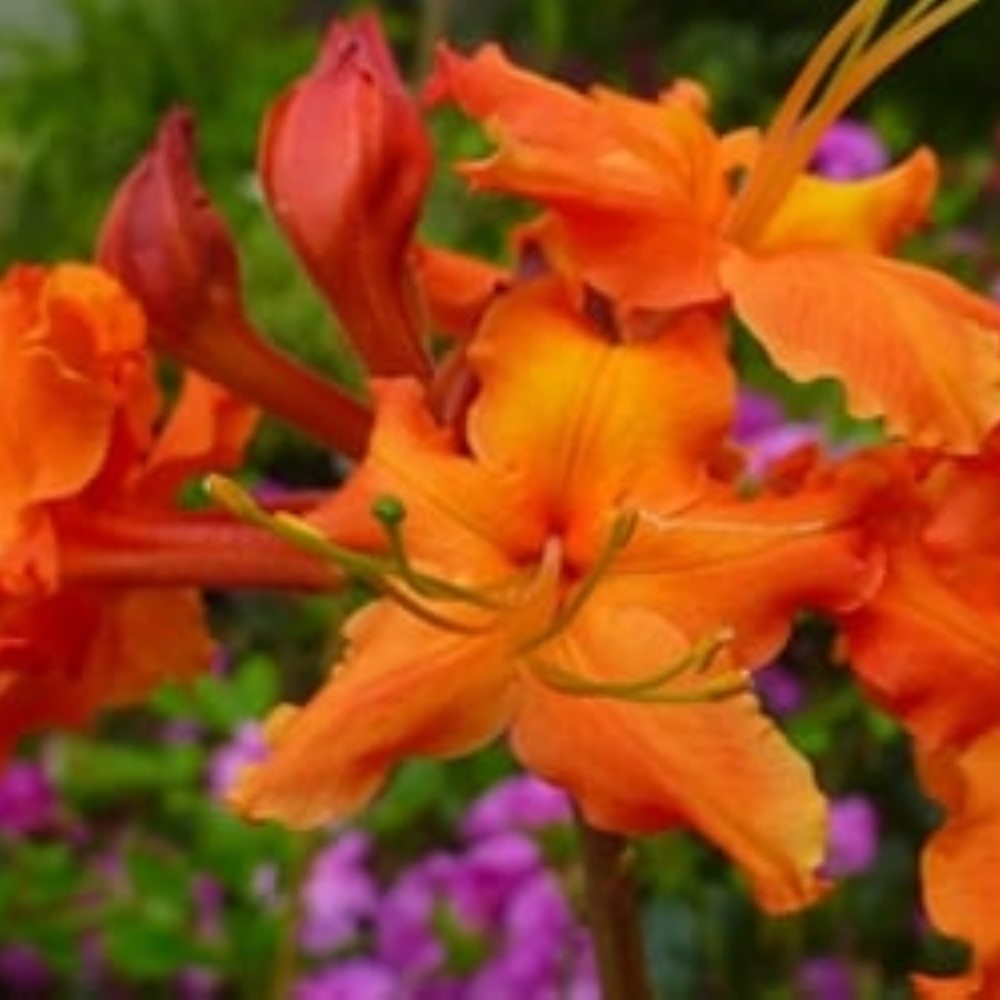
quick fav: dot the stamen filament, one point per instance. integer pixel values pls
(646, 689)
(390, 513)
(622, 530)
(845, 63)
(376, 572)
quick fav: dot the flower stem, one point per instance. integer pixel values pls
(187, 550)
(239, 358)
(286, 956)
(613, 914)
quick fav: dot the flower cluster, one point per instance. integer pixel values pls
(561, 539)
(487, 919)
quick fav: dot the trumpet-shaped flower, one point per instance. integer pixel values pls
(97, 568)
(562, 566)
(646, 203)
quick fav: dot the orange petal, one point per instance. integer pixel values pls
(457, 288)
(207, 430)
(404, 689)
(928, 654)
(961, 862)
(64, 658)
(659, 188)
(750, 565)
(594, 427)
(719, 767)
(872, 214)
(516, 102)
(907, 344)
(456, 512)
(71, 348)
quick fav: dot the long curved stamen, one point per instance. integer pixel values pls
(294, 530)
(649, 689)
(390, 513)
(394, 575)
(622, 530)
(845, 63)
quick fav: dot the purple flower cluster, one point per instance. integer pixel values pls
(487, 919)
(848, 151)
(28, 801)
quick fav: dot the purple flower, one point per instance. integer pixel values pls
(540, 948)
(849, 150)
(519, 803)
(405, 938)
(354, 979)
(27, 799)
(852, 843)
(246, 747)
(23, 971)
(490, 921)
(340, 895)
(780, 690)
(824, 978)
(765, 434)
(197, 983)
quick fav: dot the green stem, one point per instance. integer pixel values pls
(613, 914)
(286, 954)
(433, 27)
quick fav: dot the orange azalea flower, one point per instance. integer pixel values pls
(649, 205)
(98, 570)
(563, 567)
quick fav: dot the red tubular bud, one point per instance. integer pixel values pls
(167, 244)
(345, 162)
(164, 240)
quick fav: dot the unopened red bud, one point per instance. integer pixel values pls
(167, 244)
(345, 163)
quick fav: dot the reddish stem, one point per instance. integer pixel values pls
(193, 550)
(252, 368)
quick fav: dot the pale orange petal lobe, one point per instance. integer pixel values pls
(907, 344)
(403, 690)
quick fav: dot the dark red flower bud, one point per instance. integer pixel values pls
(166, 243)
(345, 163)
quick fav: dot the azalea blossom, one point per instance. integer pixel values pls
(564, 567)
(645, 202)
(99, 568)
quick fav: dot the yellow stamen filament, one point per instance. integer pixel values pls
(394, 576)
(649, 689)
(845, 63)
(621, 533)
